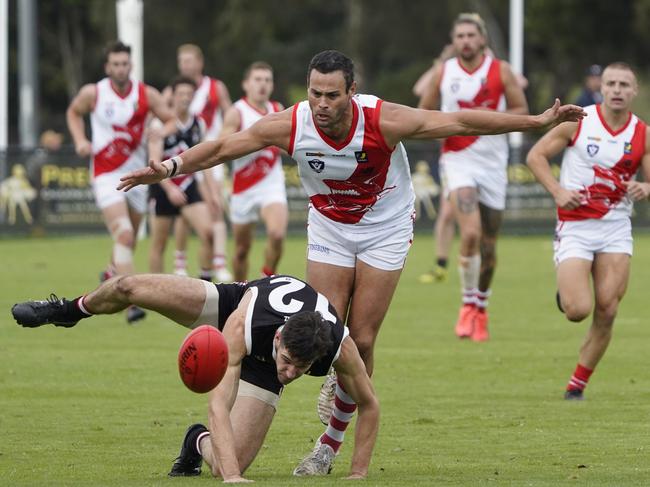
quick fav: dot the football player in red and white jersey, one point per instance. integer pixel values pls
(118, 106)
(258, 179)
(354, 169)
(210, 102)
(475, 168)
(594, 196)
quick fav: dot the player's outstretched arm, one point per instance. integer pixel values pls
(401, 122)
(222, 398)
(351, 371)
(274, 129)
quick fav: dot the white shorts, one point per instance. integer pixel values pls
(490, 181)
(245, 207)
(339, 244)
(106, 195)
(584, 238)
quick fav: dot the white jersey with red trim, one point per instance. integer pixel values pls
(264, 165)
(597, 162)
(117, 124)
(482, 88)
(206, 105)
(360, 181)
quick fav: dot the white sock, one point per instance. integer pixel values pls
(469, 270)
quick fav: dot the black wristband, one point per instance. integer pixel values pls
(174, 167)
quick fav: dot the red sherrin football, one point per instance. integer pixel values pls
(203, 358)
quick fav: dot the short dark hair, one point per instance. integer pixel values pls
(182, 80)
(116, 46)
(330, 61)
(257, 65)
(307, 336)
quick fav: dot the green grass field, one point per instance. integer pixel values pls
(102, 403)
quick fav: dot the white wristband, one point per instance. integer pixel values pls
(173, 166)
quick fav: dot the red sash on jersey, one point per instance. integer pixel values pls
(127, 138)
(487, 97)
(608, 189)
(256, 170)
(351, 199)
(211, 104)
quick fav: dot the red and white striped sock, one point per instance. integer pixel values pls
(342, 413)
(469, 295)
(481, 298)
(579, 379)
(180, 260)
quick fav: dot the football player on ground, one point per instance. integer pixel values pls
(277, 329)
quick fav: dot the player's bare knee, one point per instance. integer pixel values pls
(126, 238)
(607, 311)
(125, 286)
(121, 230)
(576, 311)
(275, 235)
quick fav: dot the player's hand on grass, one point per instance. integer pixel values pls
(558, 114)
(237, 480)
(153, 173)
(567, 199)
(637, 190)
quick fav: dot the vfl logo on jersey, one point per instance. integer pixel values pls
(317, 165)
(361, 156)
(455, 86)
(627, 148)
(592, 149)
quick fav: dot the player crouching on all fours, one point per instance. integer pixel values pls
(276, 328)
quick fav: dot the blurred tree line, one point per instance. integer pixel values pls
(391, 42)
